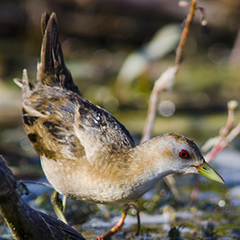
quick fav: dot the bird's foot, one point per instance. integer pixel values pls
(120, 223)
(58, 207)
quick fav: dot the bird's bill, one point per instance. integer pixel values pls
(208, 172)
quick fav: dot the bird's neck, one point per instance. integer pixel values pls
(150, 161)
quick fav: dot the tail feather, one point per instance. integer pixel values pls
(26, 92)
(52, 70)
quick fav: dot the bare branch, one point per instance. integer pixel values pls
(166, 80)
(185, 33)
(224, 136)
(23, 221)
(164, 83)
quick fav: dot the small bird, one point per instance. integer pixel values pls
(86, 154)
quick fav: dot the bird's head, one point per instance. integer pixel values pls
(183, 156)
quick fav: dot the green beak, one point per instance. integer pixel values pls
(208, 172)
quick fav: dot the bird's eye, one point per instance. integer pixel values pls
(183, 154)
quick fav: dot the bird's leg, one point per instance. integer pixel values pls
(64, 204)
(58, 207)
(120, 222)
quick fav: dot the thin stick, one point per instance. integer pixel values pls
(167, 77)
(223, 143)
(185, 33)
(152, 109)
(225, 136)
(164, 83)
(224, 139)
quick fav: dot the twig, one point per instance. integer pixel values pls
(165, 83)
(166, 80)
(185, 33)
(226, 136)
(209, 157)
(223, 143)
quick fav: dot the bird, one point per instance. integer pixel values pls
(87, 154)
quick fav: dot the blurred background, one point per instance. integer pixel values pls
(115, 50)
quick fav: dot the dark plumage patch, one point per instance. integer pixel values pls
(81, 127)
(47, 124)
(29, 120)
(73, 144)
(23, 111)
(101, 121)
(50, 107)
(83, 110)
(68, 108)
(54, 99)
(32, 137)
(55, 130)
(179, 137)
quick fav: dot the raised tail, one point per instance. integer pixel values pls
(52, 70)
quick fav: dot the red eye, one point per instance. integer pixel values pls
(183, 154)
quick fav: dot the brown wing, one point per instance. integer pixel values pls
(49, 124)
(68, 126)
(99, 132)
